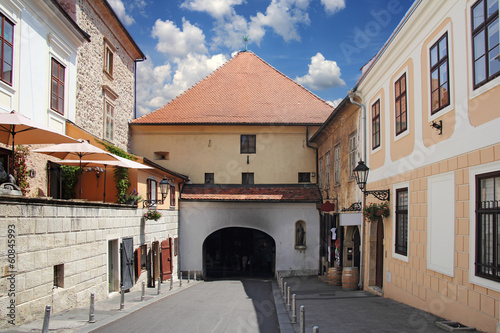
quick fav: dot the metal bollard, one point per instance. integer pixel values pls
(284, 292)
(143, 290)
(159, 286)
(180, 280)
(189, 275)
(302, 323)
(46, 318)
(294, 309)
(171, 282)
(315, 329)
(91, 310)
(288, 305)
(194, 276)
(122, 299)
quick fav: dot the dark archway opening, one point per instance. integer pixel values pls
(236, 252)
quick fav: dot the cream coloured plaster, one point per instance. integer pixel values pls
(281, 151)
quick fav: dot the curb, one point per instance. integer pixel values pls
(283, 318)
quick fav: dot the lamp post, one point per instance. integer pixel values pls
(164, 186)
(361, 174)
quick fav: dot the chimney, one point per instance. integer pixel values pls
(70, 7)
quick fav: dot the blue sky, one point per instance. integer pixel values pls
(321, 44)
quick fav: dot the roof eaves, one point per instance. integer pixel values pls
(75, 26)
(173, 173)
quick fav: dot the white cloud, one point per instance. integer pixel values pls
(283, 16)
(216, 8)
(156, 86)
(119, 9)
(333, 6)
(175, 43)
(323, 74)
(335, 103)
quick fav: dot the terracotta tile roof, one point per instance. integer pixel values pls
(245, 90)
(273, 193)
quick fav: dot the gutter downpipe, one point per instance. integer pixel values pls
(135, 85)
(317, 177)
(352, 95)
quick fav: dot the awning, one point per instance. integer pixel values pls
(347, 219)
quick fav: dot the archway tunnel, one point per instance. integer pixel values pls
(236, 252)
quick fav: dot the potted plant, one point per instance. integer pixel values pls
(374, 212)
(152, 215)
(132, 198)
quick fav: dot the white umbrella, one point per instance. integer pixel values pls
(120, 161)
(79, 150)
(16, 127)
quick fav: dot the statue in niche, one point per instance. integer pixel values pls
(300, 235)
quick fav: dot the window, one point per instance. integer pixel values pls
(172, 195)
(320, 177)
(401, 246)
(109, 120)
(161, 155)
(440, 96)
(487, 226)
(304, 177)
(176, 246)
(209, 178)
(485, 42)
(108, 59)
(152, 186)
(247, 144)
(57, 87)
(247, 178)
(352, 154)
(376, 124)
(327, 170)
(59, 276)
(400, 107)
(336, 164)
(7, 47)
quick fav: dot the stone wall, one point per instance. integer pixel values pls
(53, 232)
(91, 78)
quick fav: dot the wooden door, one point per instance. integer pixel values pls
(166, 259)
(127, 261)
(379, 279)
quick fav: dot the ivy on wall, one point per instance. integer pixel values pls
(20, 168)
(69, 175)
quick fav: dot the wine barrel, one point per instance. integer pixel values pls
(335, 276)
(350, 278)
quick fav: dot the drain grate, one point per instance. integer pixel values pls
(454, 326)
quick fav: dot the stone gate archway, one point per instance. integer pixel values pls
(237, 251)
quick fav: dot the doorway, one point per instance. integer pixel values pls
(113, 266)
(236, 252)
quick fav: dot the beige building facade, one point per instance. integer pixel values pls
(431, 97)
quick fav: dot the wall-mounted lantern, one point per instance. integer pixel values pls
(361, 174)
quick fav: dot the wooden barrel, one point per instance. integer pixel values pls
(335, 276)
(350, 278)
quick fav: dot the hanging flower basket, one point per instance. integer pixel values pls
(152, 215)
(375, 212)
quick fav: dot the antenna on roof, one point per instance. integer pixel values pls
(245, 39)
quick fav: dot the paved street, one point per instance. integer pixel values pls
(245, 305)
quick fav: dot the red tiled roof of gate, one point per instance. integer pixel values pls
(274, 193)
(245, 90)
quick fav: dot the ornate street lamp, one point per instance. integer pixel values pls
(361, 174)
(164, 186)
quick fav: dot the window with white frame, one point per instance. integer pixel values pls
(376, 124)
(7, 49)
(152, 189)
(57, 86)
(401, 223)
(109, 120)
(400, 105)
(487, 263)
(485, 42)
(108, 58)
(440, 91)
(336, 164)
(352, 154)
(320, 176)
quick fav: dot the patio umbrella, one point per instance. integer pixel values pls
(121, 162)
(77, 150)
(17, 129)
